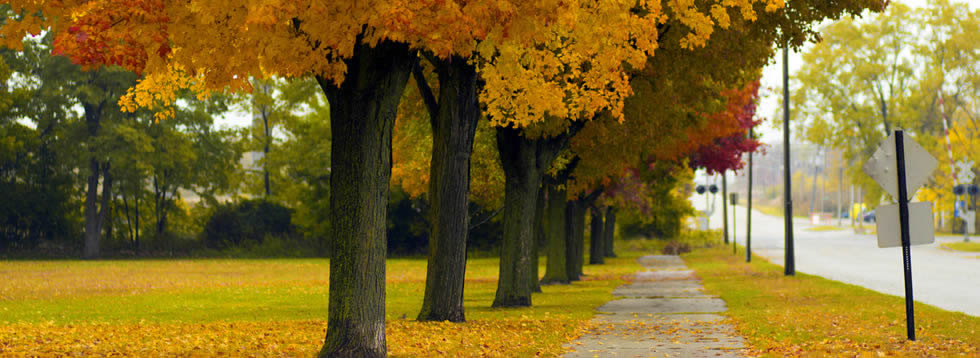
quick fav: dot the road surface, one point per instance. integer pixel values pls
(942, 278)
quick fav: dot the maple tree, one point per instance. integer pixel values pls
(456, 107)
(669, 116)
(361, 54)
(725, 153)
(552, 63)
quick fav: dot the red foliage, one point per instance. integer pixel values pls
(101, 34)
(725, 153)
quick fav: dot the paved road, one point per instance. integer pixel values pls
(942, 278)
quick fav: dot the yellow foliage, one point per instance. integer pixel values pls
(487, 338)
(564, 59)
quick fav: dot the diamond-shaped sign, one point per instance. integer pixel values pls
(883, 166)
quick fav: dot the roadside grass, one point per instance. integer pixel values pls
(822, 228)
(962, 246)
(812, 316)
(771, 210)
(266, 307)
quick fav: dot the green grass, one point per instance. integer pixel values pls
(821, 228)
(255, 290)
(47, 307)
(782, 315)
(774, 210)
(962, 246)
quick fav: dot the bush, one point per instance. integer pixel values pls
(246, 223)
(676, 248)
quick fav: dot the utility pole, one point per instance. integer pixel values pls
(748, 212)
(724, 205)
(840, 189)
(790, 264)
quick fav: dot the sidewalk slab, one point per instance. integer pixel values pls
(663, 312)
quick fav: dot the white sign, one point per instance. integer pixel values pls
(970, 218)
(964, 171)
(883, 166)
(920, 225)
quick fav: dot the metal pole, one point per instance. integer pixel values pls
(840, 190)
(707, 211)
(748, 212)
(903, 218)
(860, 217)
(790, 265)
(724, 205)
(734, 246)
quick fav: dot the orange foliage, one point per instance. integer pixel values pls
(566, 59)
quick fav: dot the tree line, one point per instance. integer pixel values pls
(585, 101)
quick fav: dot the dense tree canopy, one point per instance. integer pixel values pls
(904, 69)
(536, 70)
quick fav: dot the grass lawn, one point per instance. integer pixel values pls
(821, 228)
(971, 246)
(265, 307)
(812, 316)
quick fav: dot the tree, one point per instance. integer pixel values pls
(890, 71)
(39, 192)
(58, 85)
(361, 54)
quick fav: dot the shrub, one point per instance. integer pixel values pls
(676, 248)
(247, 222)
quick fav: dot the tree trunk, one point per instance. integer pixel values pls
(362, 114)
(92, 231)
(129, 219)
(575, 243)
(556, 270)
(524, 161)
(610, 231)
(105, 211)
(540, 239)
(596, 247)
(160, 197)
(264, 88)
(454, 129)
(137, 216)
(518, 157)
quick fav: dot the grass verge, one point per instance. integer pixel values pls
(962, 246)
(822, 228)
(812, 316)
(271, 307)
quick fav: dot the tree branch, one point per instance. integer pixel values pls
(427, 96)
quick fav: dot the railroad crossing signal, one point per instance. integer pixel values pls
(964, 171)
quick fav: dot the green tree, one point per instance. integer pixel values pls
(870, 76)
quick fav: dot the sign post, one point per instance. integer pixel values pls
(903, 219)
(901, 166)
(733, 198)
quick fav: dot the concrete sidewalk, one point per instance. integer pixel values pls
(664, 312)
